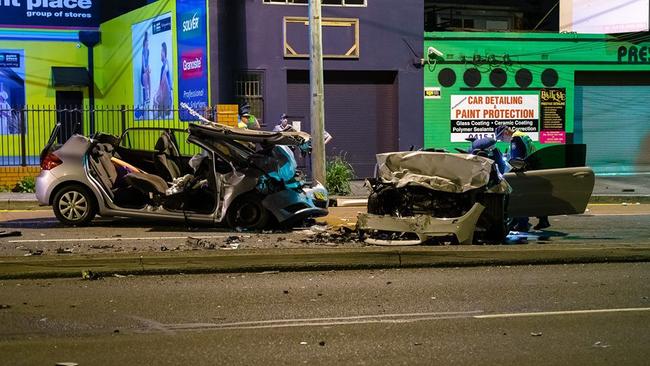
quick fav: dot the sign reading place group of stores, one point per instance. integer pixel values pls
(50, 13)
(541, 116)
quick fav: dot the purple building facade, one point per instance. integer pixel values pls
(373, 80)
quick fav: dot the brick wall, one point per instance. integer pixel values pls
(10, 175)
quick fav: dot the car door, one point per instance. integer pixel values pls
(555, 184)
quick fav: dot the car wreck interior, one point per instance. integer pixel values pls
(170, 182)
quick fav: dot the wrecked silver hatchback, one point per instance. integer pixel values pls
(420, 196)
(208, 173)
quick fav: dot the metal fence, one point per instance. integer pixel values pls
(25, 130)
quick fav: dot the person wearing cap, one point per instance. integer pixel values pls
(246, 119)
(283, 125)
(521, 146)
(5, 113)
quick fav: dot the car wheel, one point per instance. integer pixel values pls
(74, 205)
(247, 212)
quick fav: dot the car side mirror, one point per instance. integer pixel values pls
(517, 164)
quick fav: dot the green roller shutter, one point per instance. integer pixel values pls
(614, 122)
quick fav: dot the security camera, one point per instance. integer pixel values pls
(432, 51)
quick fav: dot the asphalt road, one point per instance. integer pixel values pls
(595, 314)
(40, 231)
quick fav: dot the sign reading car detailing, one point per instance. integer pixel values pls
(50, 13)
(477, 116)
(552, 116)
(191, 34)
(634, 54)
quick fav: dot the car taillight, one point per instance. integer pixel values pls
(51, 161)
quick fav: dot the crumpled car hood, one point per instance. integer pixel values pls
(446, 172)
(256, 136)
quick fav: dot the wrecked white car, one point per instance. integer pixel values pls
(243, 178)
(422, 196)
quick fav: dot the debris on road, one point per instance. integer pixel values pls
(320, 235)
(34, 252)
(269, 272)
(90, 276)
(197, 243)
(4, 306)
(63, 251)
(6, 234)
(303, 343)
(600, 344)
(535, 334)
(321, 343)
(111, 246)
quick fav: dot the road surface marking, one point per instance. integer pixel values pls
(300, 322)
(566, 312)
(117, 238)
(369, 319)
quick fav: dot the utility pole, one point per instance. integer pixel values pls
(317, 114)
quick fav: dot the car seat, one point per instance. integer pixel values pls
(163, 158)
(103, 166)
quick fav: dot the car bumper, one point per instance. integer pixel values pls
(291, 207)
(44, 184)
(424, 226)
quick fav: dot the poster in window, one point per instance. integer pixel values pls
(12, 90)
(153, 82)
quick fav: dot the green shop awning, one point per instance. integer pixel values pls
(70, 76)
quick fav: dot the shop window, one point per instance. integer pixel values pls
(324, 2)
(249, 88)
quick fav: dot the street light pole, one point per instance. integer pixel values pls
(317, 112)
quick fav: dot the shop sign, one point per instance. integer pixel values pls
(50, 13)
(552, 116)
(191, 33)
(633, 54)
(432, 92)
(477, 116)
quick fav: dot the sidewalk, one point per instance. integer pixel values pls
(606, 190)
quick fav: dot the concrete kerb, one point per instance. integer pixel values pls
(315, 260)
(355, 201)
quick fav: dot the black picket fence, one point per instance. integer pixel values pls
(26, 130)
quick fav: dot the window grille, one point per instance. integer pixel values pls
(249, 88)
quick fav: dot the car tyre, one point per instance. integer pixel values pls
(74, 205)
(247, 212)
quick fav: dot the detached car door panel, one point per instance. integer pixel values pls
(549, 192)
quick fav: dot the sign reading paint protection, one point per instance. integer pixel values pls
(477, 116)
